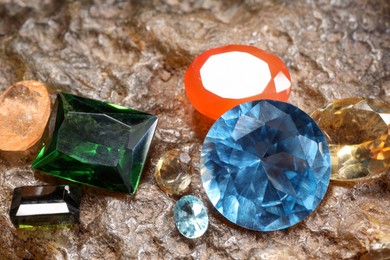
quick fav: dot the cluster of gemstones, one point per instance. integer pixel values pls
(265, 164)
(90, 142)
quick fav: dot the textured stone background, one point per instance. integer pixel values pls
(134, 53)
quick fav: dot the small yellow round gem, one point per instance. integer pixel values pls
(358, 133)
(173, 172)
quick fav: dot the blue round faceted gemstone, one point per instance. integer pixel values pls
(191, 217)
(265, 165)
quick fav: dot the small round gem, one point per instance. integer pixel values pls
(358, 131)
(173, 173)
(265, 165)
(221, 78)
(24, 112)
(191, 217)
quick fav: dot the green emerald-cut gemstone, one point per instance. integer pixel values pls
(97, 144)
(34, 206)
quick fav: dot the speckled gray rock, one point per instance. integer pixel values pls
(134, 53)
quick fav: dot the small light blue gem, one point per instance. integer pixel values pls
(265, 165)
(191, 217)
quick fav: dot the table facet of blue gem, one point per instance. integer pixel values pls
(265, 165)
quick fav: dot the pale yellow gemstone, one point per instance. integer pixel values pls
(358, 133)
(24, 112)
(173, 172)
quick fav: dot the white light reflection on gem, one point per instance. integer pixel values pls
(42, 209)
(281, 82)
(235, 75)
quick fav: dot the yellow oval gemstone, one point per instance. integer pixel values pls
(24, 112)
(358, 133)
(173, 172)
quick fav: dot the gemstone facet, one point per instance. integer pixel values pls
(221, 78)
(45, 206)
(265, 165)
(358, 131)
(24, 112)
(191, 217)
(173, 173)
(97, 144)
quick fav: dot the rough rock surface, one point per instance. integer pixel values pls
(134, 53)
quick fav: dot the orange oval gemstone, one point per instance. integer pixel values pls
(221, 78)
(24, 112)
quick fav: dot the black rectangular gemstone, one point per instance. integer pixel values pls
(45, 206)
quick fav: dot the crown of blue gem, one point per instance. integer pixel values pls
(191, 218)
(265, 165)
